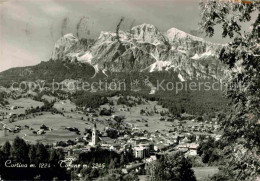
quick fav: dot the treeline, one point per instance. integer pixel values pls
(199, 101)
(211, 151)
(196, 103)
(171, 167)
(86, 99)
(110, 159)
(22, 161)
(129, 101)
(2, 98)
(99, 163)
(47, 107)
(48, 71)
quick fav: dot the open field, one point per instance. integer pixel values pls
(154, 123)
(48, 98)
(65, 106)
(19, 106)
(56, 123)
(134, 117)
(202, 173)
(24, 102)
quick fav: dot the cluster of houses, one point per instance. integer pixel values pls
(145, 145)
(200, 128)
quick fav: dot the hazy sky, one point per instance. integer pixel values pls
(29, 28)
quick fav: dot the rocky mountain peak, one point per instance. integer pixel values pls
(145, 48)
(174, 33)
(106, 36)
(63, 46)
(147, 33)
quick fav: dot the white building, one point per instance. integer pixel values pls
(191, 149)
(141, 151)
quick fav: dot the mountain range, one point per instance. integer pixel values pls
(145, 49)
(141, 49)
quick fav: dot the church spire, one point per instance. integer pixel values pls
(94, 135)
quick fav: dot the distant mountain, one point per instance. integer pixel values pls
(70, 48)
(144, 48)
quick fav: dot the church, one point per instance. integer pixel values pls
(94, 141)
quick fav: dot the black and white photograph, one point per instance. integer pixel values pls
(130, 90)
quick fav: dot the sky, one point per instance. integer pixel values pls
(30, 28)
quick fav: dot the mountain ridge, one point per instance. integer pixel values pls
(144, 48)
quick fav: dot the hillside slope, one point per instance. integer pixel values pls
(47, 71)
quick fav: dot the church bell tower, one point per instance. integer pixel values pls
(94, 135)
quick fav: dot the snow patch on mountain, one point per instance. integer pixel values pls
(104, 72)
(205, 55)
(181, 78)
(160, 66)
(96, 70)
(195, 57)
(70, 36)
(87, 57)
